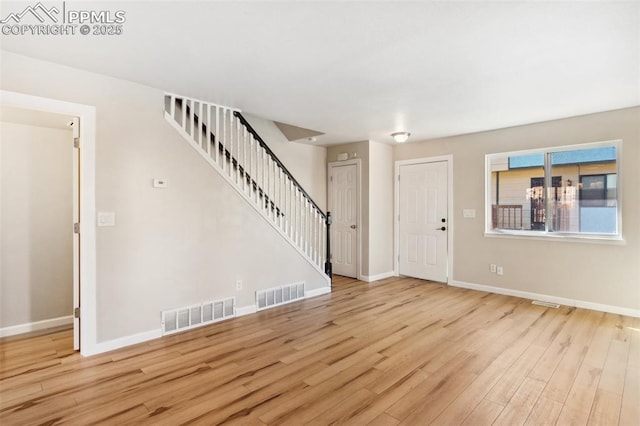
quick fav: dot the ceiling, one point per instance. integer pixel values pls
(363, 70)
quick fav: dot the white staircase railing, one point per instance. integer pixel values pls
(223, 137)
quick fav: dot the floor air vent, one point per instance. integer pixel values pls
(279, 295)
(194, 316)
(547, 304)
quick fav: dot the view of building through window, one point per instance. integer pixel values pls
(580, 196)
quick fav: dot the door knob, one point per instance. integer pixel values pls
(441, 229)
(353, 227)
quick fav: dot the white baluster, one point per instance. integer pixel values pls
(207, 133)
(192, 114)
(306, 227)
(200, 126)
(172, 107)
(245, 162)
(216, 138)
(229, 143)
(280, 203)
(184, 115)
(254, 172)
(223, 141)
(239, 149)
(292, 218)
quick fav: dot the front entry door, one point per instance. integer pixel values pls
(344, 208)
(423, 221)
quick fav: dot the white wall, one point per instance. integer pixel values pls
(605, 274)
(170, 247)
(36, 200)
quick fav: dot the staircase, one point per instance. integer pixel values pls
(224, 138)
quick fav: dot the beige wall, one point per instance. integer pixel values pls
(170, 247)
(377, 203)
(607, 274)
(36, 200)
(380, 209)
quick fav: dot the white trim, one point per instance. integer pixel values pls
(121, 342)
(246, 310)
(35, 326)
(378, 277)
(358, 165)
(547, 298)
(87, 115)
(554, 236)
(317, 292)
(450, 213)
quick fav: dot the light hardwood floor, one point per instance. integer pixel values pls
(398, 351)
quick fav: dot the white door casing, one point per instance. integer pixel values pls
(86, 267)
(76, 235)
(423, 222)
(344, 208)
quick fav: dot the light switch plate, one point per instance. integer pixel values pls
(469, 213)
(106, 219)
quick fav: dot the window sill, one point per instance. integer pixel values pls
(548, 236)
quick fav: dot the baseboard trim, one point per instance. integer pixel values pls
(378, 277)
(246, 310)
(35, 326)
(618, 310)
(318, 292)
(121, 342)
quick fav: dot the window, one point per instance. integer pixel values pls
(563, 191)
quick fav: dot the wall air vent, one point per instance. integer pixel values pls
(279, 295)
(189, 317)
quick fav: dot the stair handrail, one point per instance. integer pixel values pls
(326, 216)
(275, 158)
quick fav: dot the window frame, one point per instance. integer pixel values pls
(548, 234)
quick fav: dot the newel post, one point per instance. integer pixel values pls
(327, 263)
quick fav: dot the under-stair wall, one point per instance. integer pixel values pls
(230, 145)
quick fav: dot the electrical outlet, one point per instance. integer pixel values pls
(238, 285)
(492, 268)
(499, 270)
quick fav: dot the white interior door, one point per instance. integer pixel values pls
(423, 221)
(343, 204)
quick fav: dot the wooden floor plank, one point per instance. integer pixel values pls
(397, 351)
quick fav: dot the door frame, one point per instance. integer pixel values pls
(87, 205)
(357, 163)
(450, 216)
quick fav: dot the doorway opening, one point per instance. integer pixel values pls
(80, 124)
(344, 205)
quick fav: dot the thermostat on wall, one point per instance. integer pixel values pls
(159, 183)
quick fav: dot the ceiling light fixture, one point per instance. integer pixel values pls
(400, 137)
